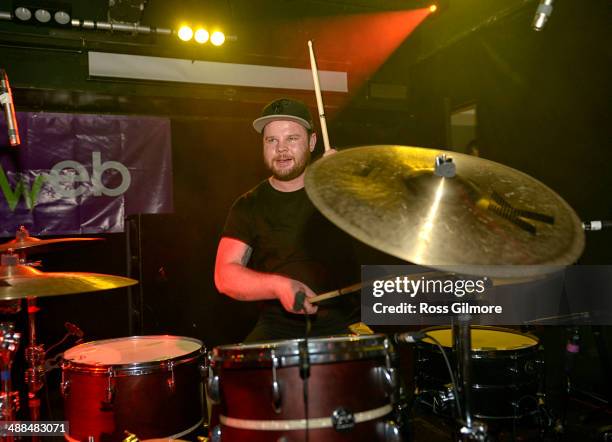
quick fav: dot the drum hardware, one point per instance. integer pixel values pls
(215, 435)
(443, 399)
(390, 372)
(14, 400)
(276, 390)
(35, 356)
(304, 366)
(462, 337)
(9, 399)
(342, 419)
(130, 437)
(107, 403)
(592, 226)
(444, 166)
(171, 382)
(212, 387)
(392, 432)
(64, 385)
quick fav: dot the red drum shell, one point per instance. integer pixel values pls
(345, 372)
(150, 400)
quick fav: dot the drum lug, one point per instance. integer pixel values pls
(65, 386)
(391, 432)
(212, 386)
(215, 434)
(444, 400)
(109, 398)
(389, 372)
(171, 382)
(391, 378)
(277, 398)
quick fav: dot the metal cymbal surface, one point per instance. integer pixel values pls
(20, 281)
(485, 215)
(30, 241)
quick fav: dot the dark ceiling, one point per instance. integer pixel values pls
(254, 24)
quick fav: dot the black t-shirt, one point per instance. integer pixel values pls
(289, 236)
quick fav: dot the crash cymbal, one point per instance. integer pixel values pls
(23, 240)
(466, 215)
(20, 281)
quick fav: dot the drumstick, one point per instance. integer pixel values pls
(317, 86)
(335, 293)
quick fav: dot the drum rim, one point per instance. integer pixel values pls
(493, 328)
(321, 349)
(137, 367)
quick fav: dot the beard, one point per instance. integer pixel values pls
(289, 173)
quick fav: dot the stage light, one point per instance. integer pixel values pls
(55, 13)
(185, 33)
(201, 36)
(23, 14)
(433, 8)
(62, 17)
(217, 38)
(42, 15)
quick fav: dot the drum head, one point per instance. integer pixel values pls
(286, 353)
(132, 350)
(486, 338)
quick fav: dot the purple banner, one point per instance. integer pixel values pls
(77, 173)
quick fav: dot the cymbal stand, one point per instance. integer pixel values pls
(35, 356)
(470, 430)
(9, 341)
(34, 353)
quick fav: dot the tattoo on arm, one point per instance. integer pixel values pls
(247, 255)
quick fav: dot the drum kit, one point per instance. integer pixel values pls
(443, 210)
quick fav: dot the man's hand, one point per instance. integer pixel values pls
(286, 290)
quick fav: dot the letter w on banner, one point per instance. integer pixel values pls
(76, 173)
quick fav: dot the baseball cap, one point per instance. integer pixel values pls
(284, 109)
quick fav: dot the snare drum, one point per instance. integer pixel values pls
(260, 393)
(147, 385)
(505, 370)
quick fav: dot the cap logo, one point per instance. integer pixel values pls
(278, 107)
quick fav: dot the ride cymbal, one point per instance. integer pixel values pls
(446, 210)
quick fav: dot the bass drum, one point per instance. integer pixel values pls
(150, 386)
(259, 391)
(506, 371)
